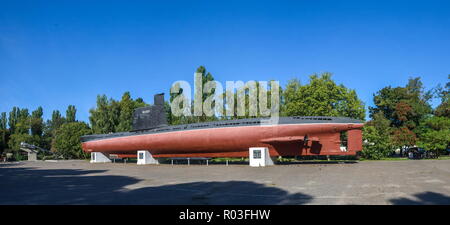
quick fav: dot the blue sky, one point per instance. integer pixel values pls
(56, 53)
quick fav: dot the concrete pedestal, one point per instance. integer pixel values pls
(145, 157)
(32, 156)
(259, 156)
(100, 157)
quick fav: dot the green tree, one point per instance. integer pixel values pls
(403, 106)
(175, 120)
(247, 94)
(321, 97)
(13, 118)
(436, 134)
(37, 122)
(127, 107)
(139, 102)
(3, 121)
(114, 116)
(71, 113)
(17, 138)
(4, 133)
(206, 77)
(376, 136)
(23, 122)
(50, 128)
(99, 116)
(444, 94)
(67, 140)
(20, 123)
(290, 97)
(403, 137)
(56, 121)
(375, 146)
(37, 127)
(26, 128)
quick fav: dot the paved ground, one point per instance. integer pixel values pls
(366, 182)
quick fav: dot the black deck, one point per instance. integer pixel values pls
(225, 123)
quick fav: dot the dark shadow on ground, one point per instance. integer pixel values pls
(73, 186)
(424, 198)
(9, 164)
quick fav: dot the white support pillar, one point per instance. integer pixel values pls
(259, 156)
(145, 157)
(32, 156)
(100, 157)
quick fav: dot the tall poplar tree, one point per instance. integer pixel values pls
(71, 113)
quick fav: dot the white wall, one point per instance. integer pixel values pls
(259, 156)
(145, 157)
(99, 157)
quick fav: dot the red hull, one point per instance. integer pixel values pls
(282, 140)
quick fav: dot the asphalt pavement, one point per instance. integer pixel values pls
(359, 182)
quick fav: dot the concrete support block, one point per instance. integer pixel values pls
(259, 156)
(145, 157)
(100, 157)
(32, 156)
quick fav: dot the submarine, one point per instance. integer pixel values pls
(291, 136)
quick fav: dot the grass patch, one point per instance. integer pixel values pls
(386, 159)
(223, 160)
(444, 157)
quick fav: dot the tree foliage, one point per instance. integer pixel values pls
(67, 140)
(444, 94)
(19, 128)
(3, 121)
(4, 132)
(247, 100)
(376, 135)
(37, 122)
(71, 114)
(435, 135)
(403, 106)
(50, 128)
(114, 116)
(23, 122)
(17, 138)
(12, 120)
(403, 136)
(375, 145)
(56, 121)
(321, 97)
(176, 120)
(126, 106)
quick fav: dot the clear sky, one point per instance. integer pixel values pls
(56, 53)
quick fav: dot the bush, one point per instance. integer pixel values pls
(67, 140)
(435, 135)
(376, 145)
